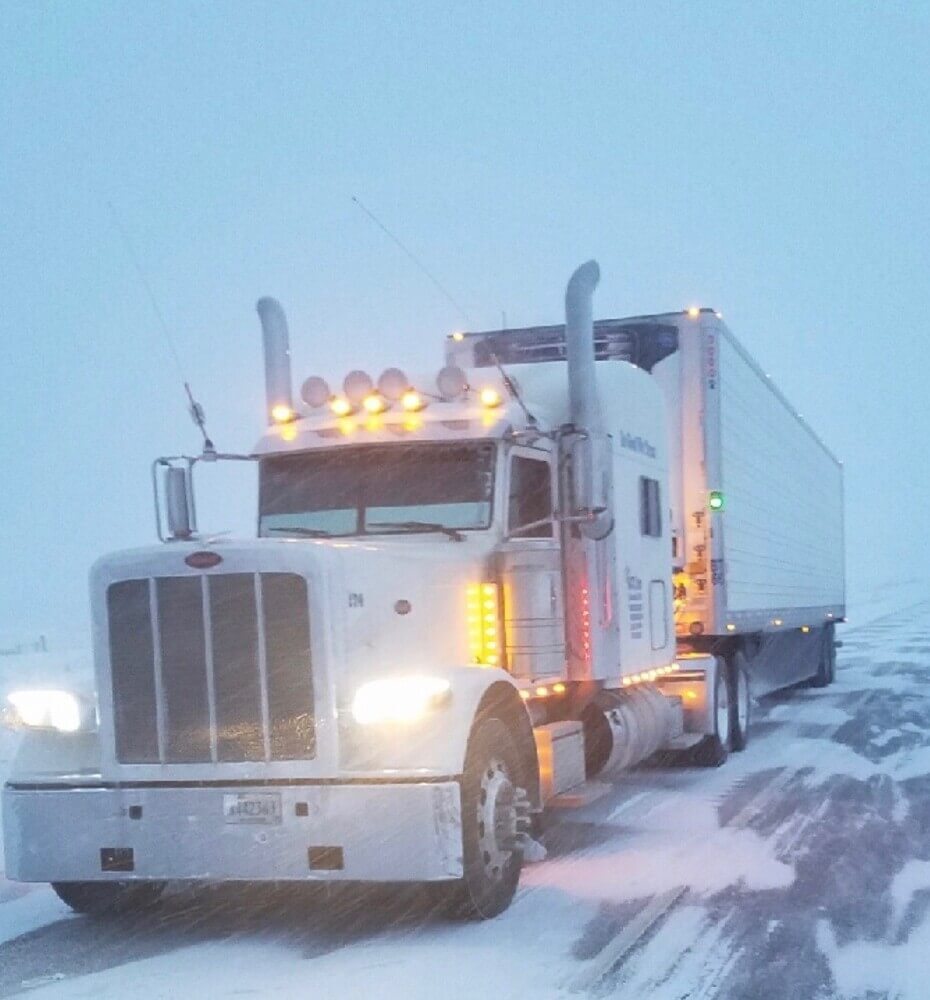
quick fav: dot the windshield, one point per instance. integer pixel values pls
(377, 489)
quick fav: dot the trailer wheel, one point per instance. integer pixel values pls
(713, 749)
(826, 663)
(492, 786)
(740, 701)
(100, 899)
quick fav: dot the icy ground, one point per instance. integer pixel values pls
(801, 869)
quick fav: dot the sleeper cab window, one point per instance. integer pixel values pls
(650, 507)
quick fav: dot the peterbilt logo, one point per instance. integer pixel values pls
(203, 560)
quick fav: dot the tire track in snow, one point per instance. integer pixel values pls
(711, 959)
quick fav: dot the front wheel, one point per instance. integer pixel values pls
(101, 899)
(492, 793)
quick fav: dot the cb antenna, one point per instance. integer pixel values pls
(194, 408)
(416, 260)
(512, 390)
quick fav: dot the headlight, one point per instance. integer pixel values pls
(59, 710)
(399, 699)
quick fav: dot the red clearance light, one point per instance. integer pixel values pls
(203, 560)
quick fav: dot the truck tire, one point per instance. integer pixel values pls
(492, 855)
(713, 749)
(826, 665)
(740, 701)
(101, 899)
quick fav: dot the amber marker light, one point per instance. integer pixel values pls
(458, 336)
(281, 413)
(489, 396)
(374, 403)
(694, 312)
(412, 401)
(340, 406)
(483, 616)
(558, 688)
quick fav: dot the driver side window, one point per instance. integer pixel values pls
(530, 500)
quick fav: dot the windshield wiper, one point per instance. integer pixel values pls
(412, 526)
(297, 529)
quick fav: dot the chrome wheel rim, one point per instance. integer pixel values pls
(742, 701)
(723, 709)
(497, 819)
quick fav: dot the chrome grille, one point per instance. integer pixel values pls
(212, 668)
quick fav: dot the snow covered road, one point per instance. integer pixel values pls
(801, 869)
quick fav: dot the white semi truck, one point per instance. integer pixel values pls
(577, 546)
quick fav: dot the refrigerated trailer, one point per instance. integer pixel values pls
(471, 592)
(754, 500)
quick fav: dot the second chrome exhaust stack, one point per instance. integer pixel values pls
(579, 347)
(591, 459)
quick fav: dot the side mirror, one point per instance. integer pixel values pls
(177, 502)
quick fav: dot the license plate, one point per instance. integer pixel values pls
(252, 807)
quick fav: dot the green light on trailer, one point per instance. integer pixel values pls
(716, 501)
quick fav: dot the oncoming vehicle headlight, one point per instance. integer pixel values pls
(60, 710)
(399, 699)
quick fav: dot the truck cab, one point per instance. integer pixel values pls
(458, 605)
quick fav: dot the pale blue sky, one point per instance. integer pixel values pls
(770, 160)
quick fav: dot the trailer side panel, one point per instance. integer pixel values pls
(780, 532)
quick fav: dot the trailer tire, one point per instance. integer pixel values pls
(492, 855)
(102, 899)
(740, 701)
(826, 665)
(712, 751)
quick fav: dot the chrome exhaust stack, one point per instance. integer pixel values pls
(579, 347)
(276, 345)
(592, 468)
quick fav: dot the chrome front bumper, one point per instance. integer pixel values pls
(357, 832)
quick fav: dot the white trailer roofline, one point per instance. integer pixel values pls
(709, 318)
